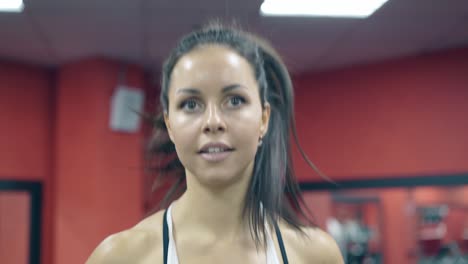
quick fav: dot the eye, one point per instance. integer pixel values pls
(189, 105)
(236, 101)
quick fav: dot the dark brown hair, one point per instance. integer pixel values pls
(273, 185)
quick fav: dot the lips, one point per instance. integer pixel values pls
(215, 147)
(215, 151)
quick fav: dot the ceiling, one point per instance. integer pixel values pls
(53, 32)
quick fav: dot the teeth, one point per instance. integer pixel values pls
(215, 150)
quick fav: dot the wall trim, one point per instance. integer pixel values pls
(389, 182)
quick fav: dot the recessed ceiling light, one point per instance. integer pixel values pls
(330, 8)
(11, 5)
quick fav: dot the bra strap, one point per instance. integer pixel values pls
(165, 236)
(281, 244)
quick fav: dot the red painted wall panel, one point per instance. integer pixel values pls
(98, 187)
(26, 138)
(25, 119)
(404, 117)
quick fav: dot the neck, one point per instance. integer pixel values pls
(214, 211)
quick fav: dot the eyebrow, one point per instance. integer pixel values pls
(226, 89)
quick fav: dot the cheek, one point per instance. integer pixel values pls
(246, 130)
(183, 135)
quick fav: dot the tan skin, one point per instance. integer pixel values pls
(213, 97)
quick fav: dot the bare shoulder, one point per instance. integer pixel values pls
(134, 245)
(316, 246)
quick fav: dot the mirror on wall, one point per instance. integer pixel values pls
(20, 222)
(14, 227)
(414, 224)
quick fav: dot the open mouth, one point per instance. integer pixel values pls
(215, 154)
(215, 150)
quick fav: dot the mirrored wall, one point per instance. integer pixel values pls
(418, 223)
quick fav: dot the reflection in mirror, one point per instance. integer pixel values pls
(441, 224)
(422, 225)
(14, 227)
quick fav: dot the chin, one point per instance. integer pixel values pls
(222, 174)
(218, 179)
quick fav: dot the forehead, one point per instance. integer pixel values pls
(215, 65)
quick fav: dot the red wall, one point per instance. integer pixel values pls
(26, 115)
(403, 117)
(54, 130)
(98, 185)
(26, 123)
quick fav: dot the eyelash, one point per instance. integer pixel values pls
(242, 99)
(184, 103)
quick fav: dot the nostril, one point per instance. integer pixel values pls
(210, 129)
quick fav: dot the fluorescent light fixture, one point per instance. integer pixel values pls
(330, 8)
(11, 5)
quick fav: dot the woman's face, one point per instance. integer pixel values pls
(214, 99)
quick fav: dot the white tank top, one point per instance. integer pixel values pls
(271, 256)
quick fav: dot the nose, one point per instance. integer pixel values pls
(214, 121)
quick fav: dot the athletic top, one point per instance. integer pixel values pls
(170, 252)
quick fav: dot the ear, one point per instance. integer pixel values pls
(265, 119)
(168, 126)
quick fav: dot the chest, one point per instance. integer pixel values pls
(195, 254)
(221, 253)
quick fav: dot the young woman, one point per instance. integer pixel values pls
(227, 104)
